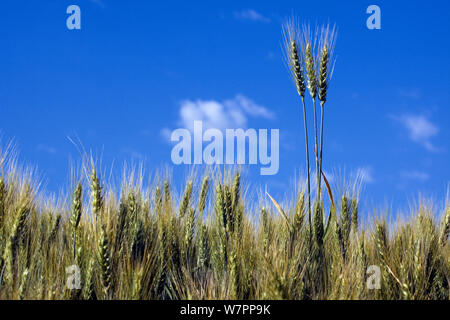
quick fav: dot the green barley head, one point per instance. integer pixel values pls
(76, 207)
(96, 194)
(293, 58)
(326, 46)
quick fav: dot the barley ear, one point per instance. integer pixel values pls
(323, 75)
(203, 194)
(55, 227)
(236, 190)
(23, 284)
(96, 194)
(381, 242)
(311, 71)
(326, 47)
(318, 225)
(76, 214)
(186, 199)
(88, 289)
(104, 259)
(2, 201)
(297, 70)
(12, 246)
(189, 231)
(76, 207)
(355, 220)
(158, 201)
(290, 33)
(203, 248)
(445, 231)
(299, 212)
(346, 222)
(167, 196)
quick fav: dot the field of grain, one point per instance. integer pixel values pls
(211, 241)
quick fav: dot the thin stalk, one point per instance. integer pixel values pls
(321, 143)
(307, 166)
(316, 151)
(74, 244)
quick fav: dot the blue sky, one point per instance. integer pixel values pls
(121, 82)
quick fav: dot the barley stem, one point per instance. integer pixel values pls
(319, 175)
(307, 166)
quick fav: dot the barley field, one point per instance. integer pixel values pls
(216, 239)
(208, 243)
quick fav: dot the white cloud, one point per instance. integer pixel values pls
(251, 15)
(420, 129)
(415, 175)
(232, 113)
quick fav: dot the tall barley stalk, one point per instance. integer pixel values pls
(308, 45)
(326, 47)
(76, 215)
(295, 63)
